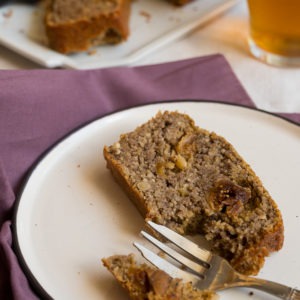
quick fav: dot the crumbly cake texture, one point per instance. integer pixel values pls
(194, 182)
(143, 282)
(73, 26)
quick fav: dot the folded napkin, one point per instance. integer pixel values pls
(39, 107)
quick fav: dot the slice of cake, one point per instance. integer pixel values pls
(73, 25)
(143, 282)
(194, 182)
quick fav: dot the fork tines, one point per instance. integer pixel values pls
(202, 257)
(214, 273)
(166, 266)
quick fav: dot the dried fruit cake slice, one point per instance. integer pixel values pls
(194, 182)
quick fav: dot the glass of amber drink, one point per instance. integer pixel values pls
(275, 31)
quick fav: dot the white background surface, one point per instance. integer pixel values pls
(72, 213)
(273, 89)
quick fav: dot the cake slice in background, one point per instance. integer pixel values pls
(73, 26)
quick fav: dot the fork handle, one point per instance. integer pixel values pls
(273, 288)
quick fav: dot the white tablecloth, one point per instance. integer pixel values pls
(272, 89)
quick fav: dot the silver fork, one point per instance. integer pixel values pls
(206, 270)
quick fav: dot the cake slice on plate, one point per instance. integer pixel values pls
(194, 182)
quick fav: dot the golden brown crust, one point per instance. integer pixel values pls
(67, 36)
(195, 182)
(123, 180)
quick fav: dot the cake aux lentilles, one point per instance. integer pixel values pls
(194, 182)
(73, 26)
(143, 282)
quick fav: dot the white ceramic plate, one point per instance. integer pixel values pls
(71, 213)
(153, 24)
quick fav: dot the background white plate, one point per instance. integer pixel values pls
(21, 30)
(71, 213)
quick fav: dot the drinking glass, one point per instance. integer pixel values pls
(275, 31)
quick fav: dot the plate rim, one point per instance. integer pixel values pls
(33, 281)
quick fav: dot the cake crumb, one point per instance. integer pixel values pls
(146, 15)
(7, 14)
(92, 52)
(251, 293)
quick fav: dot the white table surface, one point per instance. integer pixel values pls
(272, 89)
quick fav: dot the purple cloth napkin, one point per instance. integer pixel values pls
(39, 107)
